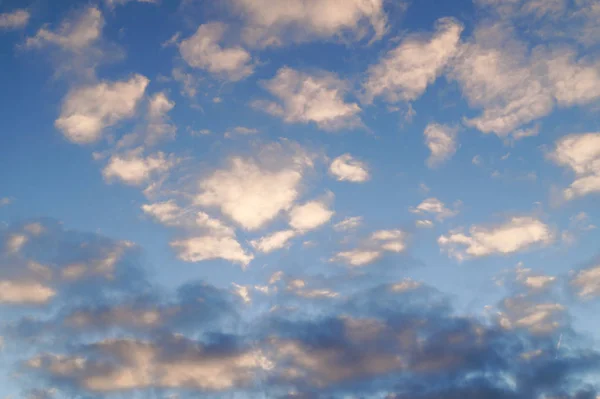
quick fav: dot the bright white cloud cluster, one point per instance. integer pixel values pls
(441, 141)
(134, 169)
(310, 215)
(73, 34)
(515, 86)
(274, 241)
(202, 50)
(305, 98)
(404, 73)
(253, 191)
(274, 23)
(517, 234)
(347, 168)
(373, 248)
(88, 110)
(581, 153)
(14, 20)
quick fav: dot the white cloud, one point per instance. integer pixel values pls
(515, 86)
(240, 131)
(15, 292)
(587, 282)
(167, 212)
(242, 291)
(434, 206)
(441, 141)
(15, 242)
(346, 168)
(198, 249)
(14, 20)
(211, 238)
(581, 153)
(134, 169)
(357, 257)
(373, 248)
(88, 110)
(539, 318)
(349, 223)
(517, 234)
(159, 126)
(308, 98)
(253, 191)
(139, 364)
(202, 50)
(73, 34)
(404, 73)
(273, 241)
(310, 215)
(275, 23)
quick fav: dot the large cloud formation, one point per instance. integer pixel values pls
(106, 330)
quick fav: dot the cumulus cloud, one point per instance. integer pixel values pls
(73, 34)
(202, 50)
(580, 153)
(373, 248)
(515, 235)
(14, 20)
(404, 73)
(198, 249)
(347, 168)
(304, 98)
(435, 207)
(88, 110)
(274, 24)
(516, 86)
(441, 141)
(310, 215)
(353, 342)
(24, 292)
(134, 169)
(208, 237)
(253, 191)
(587, 282)
(140, 364)
(274, 241)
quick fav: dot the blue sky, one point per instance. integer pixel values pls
(299, 198)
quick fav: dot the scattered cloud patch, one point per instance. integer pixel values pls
(441, 141)
(347, 168)
(88, 110)
(404, 73)
(514, 235)
(580, 153)
(276, 24)
(16, 19)
(202, 50)
(305, 98)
